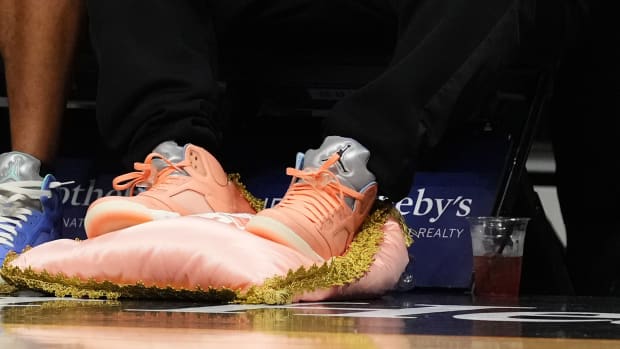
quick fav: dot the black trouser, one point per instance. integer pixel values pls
(157, 75)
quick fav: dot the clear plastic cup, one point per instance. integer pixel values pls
(497, 244)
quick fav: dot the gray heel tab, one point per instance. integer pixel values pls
(18, 166)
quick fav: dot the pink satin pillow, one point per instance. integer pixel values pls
(211, 257)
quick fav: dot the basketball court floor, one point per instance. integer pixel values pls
(446, 320)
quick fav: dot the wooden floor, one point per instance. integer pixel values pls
(403, 320)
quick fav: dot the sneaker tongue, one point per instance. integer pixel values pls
(350, 168)
(17, 166)
(171, 151)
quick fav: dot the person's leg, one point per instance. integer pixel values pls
(38, 41)
(442, 44)
(157, 66)
(371, 137)
(157, 86)
(156, 80)
(156, 100)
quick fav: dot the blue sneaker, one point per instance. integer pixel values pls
(30, 206)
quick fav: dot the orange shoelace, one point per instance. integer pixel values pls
(319, 189)
(146, 174)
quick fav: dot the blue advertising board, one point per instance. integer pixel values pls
(435, 210)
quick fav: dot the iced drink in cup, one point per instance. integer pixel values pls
(497, 244)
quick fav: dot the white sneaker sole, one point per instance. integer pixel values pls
(274, 230)
(115, 215)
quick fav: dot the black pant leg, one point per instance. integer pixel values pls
(441, 45)
(156, 81)
(158, 64)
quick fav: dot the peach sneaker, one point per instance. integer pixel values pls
(194, 184)
(329, 197)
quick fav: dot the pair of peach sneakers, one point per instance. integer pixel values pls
(330, 195)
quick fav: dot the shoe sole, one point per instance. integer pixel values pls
(111, 216)
(271, 229)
